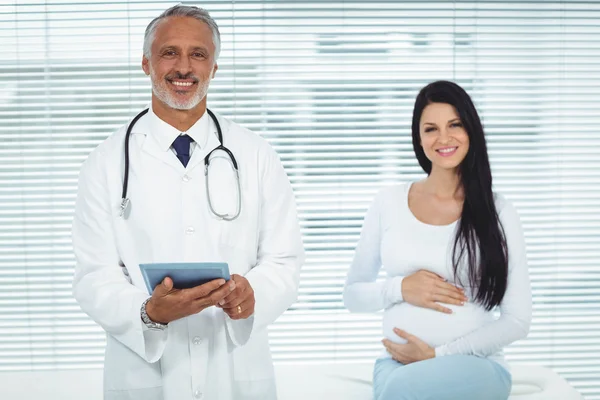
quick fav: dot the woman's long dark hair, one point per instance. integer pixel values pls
(479, 235)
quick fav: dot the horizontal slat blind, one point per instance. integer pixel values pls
(331, 85)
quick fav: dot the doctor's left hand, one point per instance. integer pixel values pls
(414, 350)
(239, 304)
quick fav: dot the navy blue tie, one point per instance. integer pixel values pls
(182, 147)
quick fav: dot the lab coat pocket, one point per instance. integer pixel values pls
(240, 234)
(126, 371)
(224, 195)
(233, 200)
(253, 370)
(253, 360)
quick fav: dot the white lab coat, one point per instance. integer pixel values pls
(207, 355)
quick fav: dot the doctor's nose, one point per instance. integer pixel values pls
(183, 66)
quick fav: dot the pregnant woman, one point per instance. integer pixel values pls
(454, 252)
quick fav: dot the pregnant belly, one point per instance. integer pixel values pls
(434, 327)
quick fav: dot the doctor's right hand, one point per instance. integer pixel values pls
(169, 304)
(426, 289)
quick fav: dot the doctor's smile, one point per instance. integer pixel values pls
(182, 84)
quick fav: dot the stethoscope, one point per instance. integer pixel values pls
(125, 203)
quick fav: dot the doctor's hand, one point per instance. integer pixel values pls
(240, 303)
(414, 350)
(426, 289)
(169, 304)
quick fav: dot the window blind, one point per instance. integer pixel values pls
(331, 86)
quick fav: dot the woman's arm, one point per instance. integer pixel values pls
(515, 309)
(362, 293)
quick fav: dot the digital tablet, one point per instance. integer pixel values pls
(184, 275)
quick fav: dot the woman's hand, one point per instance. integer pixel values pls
(426, 289)
(414, 350)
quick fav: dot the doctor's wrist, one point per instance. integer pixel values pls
(148, 316)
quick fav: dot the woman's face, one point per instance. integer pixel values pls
(443, 137)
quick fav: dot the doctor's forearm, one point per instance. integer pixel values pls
(115, 305)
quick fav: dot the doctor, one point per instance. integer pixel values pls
(209, 342)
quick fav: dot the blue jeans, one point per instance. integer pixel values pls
(453, 377)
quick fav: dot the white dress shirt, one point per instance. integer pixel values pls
(166, 134)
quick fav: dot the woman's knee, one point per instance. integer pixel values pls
(396, 389)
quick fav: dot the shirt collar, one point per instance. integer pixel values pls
(165, 134)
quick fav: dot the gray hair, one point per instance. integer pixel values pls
(183, 11)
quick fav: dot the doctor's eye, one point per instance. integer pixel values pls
(169, 53)
(429, 129)
(456, 125)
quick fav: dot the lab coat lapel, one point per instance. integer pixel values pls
(151, 146)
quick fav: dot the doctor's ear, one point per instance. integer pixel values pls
(214, 72)
(145, 65)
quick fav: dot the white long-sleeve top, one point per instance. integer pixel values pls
(394, 238)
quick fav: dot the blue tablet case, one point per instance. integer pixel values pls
(184, 275)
